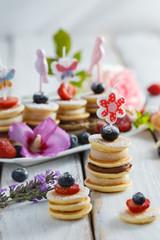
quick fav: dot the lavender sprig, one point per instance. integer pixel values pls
(33, 190)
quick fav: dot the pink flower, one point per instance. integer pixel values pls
(127, 85)
(111, 107)
(47, 139)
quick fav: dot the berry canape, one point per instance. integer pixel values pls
(109, 161)
(138, 210)
(72, 112)
(69, 200)
(40, 108)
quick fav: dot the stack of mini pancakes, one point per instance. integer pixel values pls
(10, 115)
(109, 164)
(92, 106)
(69, 207)
(73, 116)
(35, 113)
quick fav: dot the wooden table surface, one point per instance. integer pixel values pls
(30, 221)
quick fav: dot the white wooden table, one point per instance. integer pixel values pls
(31, 221)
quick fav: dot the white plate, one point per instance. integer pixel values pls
(32, 161)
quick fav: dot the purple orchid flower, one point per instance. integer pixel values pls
(47, 139)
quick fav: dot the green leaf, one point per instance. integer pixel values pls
(49, 61)
(78, 56)
(82, 77)
(62, 39)
(143, 120)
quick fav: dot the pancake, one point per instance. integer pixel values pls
(71, 104)
(108, 181)
(108, 175)
(100, 144)
(118, 169)
(113, 188)
(11, 112)
(73, 117)
(52, 196)
(110, 164)
(71, 215)
(69, 207)
(147, 216)
(108, 156)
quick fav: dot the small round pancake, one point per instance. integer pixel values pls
(69, 207)
(71, 104)
(92, 110)
(52, 196)
(108, 156)
(108, 175)
(11, 112)
(6, 123)
(92, 97)
(114, 188)
(43, 107)
(72, 112)
(108, 181)
(110, 164)
(155, 120)
(36, 123)
(73, 126)
(77, 132)
(147, 216)
(73, 117)
(71, 215)
(117, 145)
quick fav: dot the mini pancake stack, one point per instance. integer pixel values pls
(72, 115)
(10, 115)
(109, 164)
(69, 207)
(35, 113)
(92, 107)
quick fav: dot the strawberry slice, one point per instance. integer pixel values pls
(124, 124)
(66, 91)
(136, 208)
(68, 190)
(6, 149)
(9, 102)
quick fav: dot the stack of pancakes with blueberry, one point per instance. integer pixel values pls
(72, 115)
(69, 200)
(98, 89)
(39, 109)
(109, 161)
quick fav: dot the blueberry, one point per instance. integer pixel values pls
(66, 180)
(19, 174)
(74, 140)
(83, 138)
(98, 87)
(138, 198)
(158, 150)
(18, 150)
(40, 97)
(109, 133)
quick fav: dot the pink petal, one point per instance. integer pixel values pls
(112, 97)
(21, 133)
(26, 153)
(58, 141)
(104, 103)
(45, 129)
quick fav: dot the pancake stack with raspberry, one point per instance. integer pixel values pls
(11, 111)
(39, 109)
(72, 111)
(138, 210)
(69, 200)
(109, 161)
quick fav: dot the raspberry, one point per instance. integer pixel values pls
(154, 89)
(6, 149)
(124, 124)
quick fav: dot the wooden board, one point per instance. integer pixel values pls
(145, 178)
(32, 221)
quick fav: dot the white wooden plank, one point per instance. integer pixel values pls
(145, 178)
(32, 221)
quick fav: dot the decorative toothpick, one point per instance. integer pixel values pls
(6, 75)
(65, 67)
(111, 106)
(42, 67)
(97, 55)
